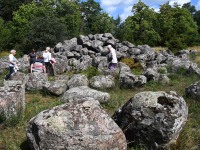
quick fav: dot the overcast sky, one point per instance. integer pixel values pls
(123, 7)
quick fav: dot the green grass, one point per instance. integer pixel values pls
(13, 134)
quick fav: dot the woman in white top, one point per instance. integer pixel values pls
(114, 61)
(12, 63)
(47, 58)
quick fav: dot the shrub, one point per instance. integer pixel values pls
(4, 53)
(162, 70)
(90, 72)
(131, 63)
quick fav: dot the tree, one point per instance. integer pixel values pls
(44, 33)
(189, 7)
(7, 7)
(70, 14)
(177, 27)
(103, 24)
(90, 10)
(5, 35)
(139, 28)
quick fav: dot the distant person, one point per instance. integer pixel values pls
(113, 58)
(39, 65)
(12, 64)
(32, 58)
(47, 58)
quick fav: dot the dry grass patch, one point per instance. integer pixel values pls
(194, 48)
(159, 48)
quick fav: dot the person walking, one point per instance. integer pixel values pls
(47, 58)
(32, 58)
(113, 64)
(12, 64)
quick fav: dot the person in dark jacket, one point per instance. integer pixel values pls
(32, 59)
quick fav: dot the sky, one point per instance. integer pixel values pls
(123, 7)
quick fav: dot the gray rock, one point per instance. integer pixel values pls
(77, 80)
(75, 126)
(102, 82)
(130, 81)
(84, 92)
(153, 118)
(57, 87)
(193, 91)
(12, 99)
(36, 80)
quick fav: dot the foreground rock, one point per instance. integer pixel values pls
(153, 118)
(84, 92)
(36, 81)
(73, 126)
(12, 99)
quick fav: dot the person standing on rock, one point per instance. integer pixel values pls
(12, 64)
(32, 59)
(47, 58)
(113, 64)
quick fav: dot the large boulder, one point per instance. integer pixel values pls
(57, 87)
(153, 118)
(75, 126)
(78, 80)
(12, 99)
(36, 80)
(20, 76)
(102, 82)
(131, 81)
(84, 92)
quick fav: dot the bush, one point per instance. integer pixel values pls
(90, 72)
(131, 63)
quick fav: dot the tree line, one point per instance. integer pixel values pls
(27, 24)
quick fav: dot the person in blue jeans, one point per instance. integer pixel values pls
(12, 64)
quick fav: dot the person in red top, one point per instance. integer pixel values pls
(39, 65)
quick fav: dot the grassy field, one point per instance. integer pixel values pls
(12, 132)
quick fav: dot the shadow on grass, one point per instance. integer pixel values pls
(25, 146)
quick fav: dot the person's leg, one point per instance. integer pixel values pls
(31, 67)
(46, 66)
(44, 69)
(11, 70)
(109, 65)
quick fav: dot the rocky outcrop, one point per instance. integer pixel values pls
(75, 126)
(153, 118)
